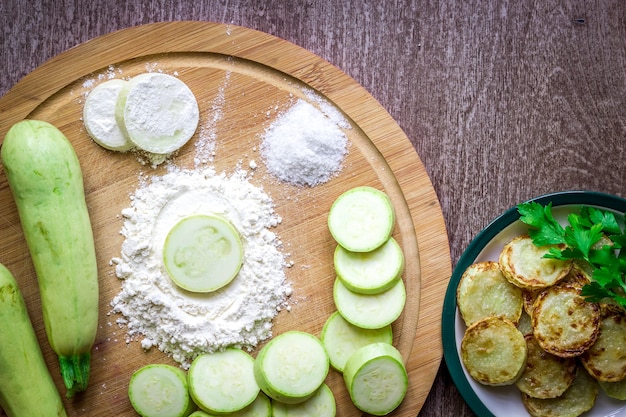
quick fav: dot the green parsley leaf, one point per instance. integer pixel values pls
(619, 241)
(606, 277)
(544, 229)
(603, 217)
(604, 257)
(594, 292)
(578, 236)
(567, 253)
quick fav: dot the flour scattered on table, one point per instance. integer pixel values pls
(184, 324)
(304, 146)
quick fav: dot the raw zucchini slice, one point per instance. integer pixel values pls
(203, 253)
(321, 404)
(341, 339)
(291, 367)
(370, 272)
(376, 378)
(160, 390)
(260, 407)
(223, 382)
(200, 413)
(157, 112)
(99, 116)
(370, 311)
(361, 219)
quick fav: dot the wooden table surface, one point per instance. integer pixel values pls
(503, 101)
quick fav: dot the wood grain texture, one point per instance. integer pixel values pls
(503, 101)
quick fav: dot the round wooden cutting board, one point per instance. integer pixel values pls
(247, 78)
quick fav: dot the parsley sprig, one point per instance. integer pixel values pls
(585, 238)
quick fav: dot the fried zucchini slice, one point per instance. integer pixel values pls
(529, 297)
(564, 323)
(605, 360)
(546, 375)
(483, 292)
(494, 351)
(577, 399)
(615, 390)
(576, 276)
(525, 325)
(523, 264)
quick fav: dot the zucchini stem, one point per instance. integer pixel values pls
(75, 372)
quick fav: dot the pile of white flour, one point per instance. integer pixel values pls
(180, 323)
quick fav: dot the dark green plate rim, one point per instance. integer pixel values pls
(449, 314)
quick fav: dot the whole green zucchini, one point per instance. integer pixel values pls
(46, 181)
(26, 387)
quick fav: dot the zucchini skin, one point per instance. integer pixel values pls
(26, 387)
(46, 181)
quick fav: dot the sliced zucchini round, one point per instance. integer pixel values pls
(494, 351)
(223, 382)
(370, 311)
(376, 378)
(564, 323)
(157, 112)
(160, 390)
(321, 404)
(361, 219)
(483, 291)
(341, 338)
(203, 253)
(370, 272)
(291, 367)
(578, 398)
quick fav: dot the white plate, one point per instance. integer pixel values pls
(506, 401)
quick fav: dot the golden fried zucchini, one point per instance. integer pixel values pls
(523, 264)
(525, 325)
(529, 297)
(615, 390)
(546, 375)
(483, 292)
(564, 323)
(605, 360)
(577, 399)
(577, 276)
(494, 351)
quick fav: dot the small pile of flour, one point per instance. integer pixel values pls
(304, 146)
(184, 324)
